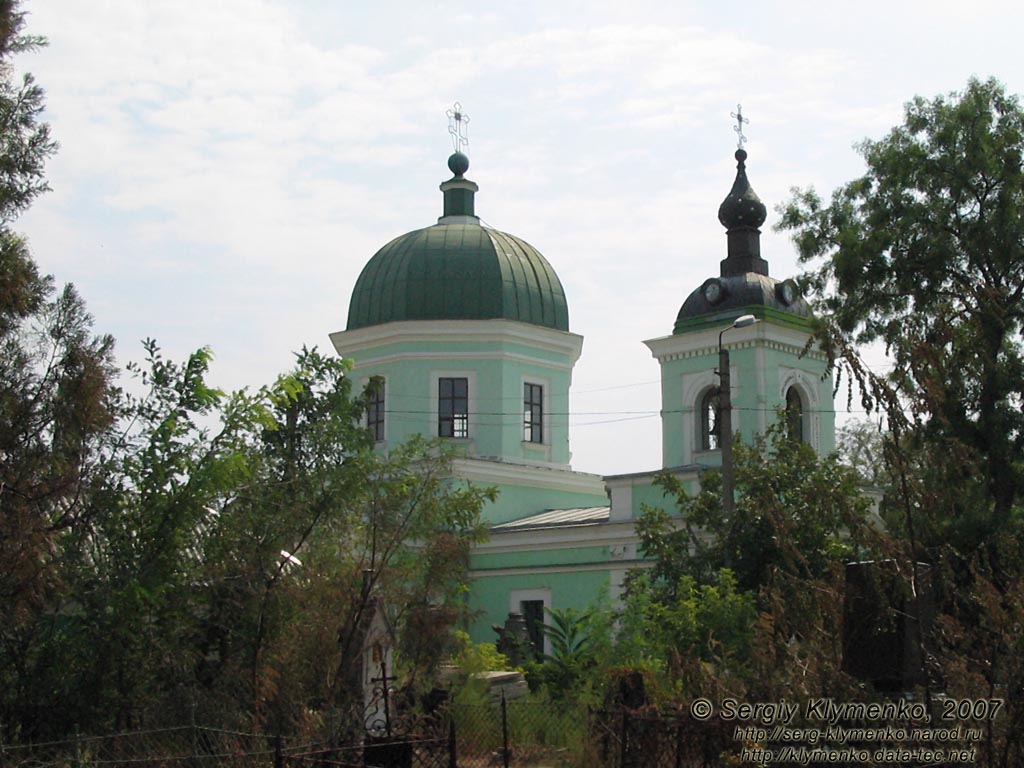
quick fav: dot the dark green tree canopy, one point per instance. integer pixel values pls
(925, 252)
(56, 396)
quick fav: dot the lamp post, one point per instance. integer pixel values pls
(725, 412)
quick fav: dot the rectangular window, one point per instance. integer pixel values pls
(533, 413)
(375, 408)
(453, 407)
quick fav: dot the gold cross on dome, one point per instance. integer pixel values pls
(740, 122)
(458, 126)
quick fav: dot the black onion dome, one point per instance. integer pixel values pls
(742, 207)
(743, 285)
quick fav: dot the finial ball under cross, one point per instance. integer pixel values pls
(458, 126)
(740, 122)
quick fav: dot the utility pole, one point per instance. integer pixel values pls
(725, 413)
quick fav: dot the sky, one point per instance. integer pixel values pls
(228, 167)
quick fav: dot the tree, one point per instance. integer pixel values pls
(189, 554)
(925, 252)
(57, 399)
(796, 513)
(225, 574)
(751, 600)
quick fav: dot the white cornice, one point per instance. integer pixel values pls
(454, 355)
(647, 478)
(705, 342)
(552, 539)
(420, 331)
(482, 471)
(610, 566)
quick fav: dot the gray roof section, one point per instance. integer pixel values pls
(557, 518)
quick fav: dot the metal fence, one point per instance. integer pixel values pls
(520, 733)
(502, 734)
(157, 748)
(653, 739)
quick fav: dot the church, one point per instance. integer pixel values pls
(466, 330)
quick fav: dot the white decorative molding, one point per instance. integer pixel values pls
(555, 478)
(425, 331)
(558, 538)
(539, 570)
(807, 385)
(451, 355)
(694, 386)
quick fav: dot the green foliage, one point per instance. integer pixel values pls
(709, 621)
(748, 601)
(795, 512)
(569, 633)
(57, 402)
(26, 141)
(227, 573)
(188, 554)
(471, 658)
(923, 253)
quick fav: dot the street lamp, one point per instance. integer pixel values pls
(725, 412)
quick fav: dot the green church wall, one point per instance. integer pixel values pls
(761, 371)
(651, 496)
(496, 395)
(489, 595)
(482, 562)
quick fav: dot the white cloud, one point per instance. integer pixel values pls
(253, 155)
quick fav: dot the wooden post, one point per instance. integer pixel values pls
(279, 751)
(725, 426)
(506, 758)
(623, 738)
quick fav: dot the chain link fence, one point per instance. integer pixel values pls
(183, 746)
(503, 734)
(652, 739)
(520, 733)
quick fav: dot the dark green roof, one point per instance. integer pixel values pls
(458, 271)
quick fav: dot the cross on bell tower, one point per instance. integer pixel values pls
(740, 122)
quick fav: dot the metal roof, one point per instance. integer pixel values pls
(458, 270)
(557, 518)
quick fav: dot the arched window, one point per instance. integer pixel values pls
(709, 421)
(794, 415)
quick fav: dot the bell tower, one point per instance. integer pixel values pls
(773, 375)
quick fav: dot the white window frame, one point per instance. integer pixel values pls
(806, 387)
(518, 596)
(363, 381)
(545, 430)
(471, 401)
(694, 385)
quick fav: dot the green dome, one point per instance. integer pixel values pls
(458, 271)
